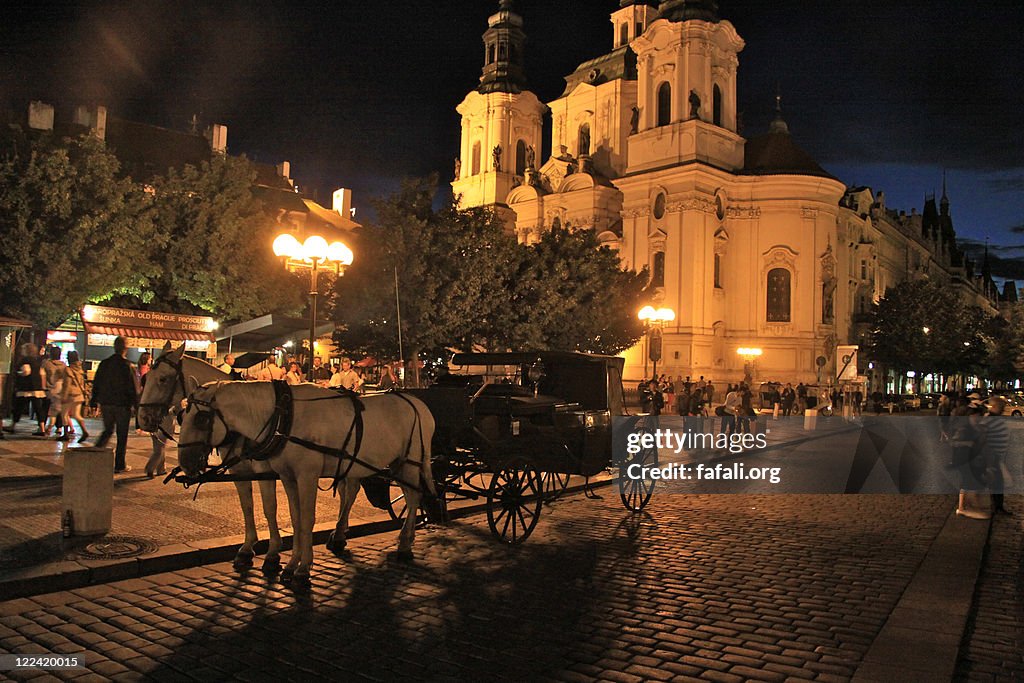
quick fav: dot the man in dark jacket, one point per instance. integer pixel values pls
(115, 391)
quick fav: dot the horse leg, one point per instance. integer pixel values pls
(291, 489)
(337, 541)
(410, 473)
(307, 490)
(243, 559)
(268, 494)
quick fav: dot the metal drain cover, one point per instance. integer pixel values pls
(116, 548)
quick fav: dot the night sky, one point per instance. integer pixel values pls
(361, 94)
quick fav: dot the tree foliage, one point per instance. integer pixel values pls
(465, 283)
(1006, 360)
(71, 228)
(927, 327)
(214, 253)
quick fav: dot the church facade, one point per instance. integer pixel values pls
(748, 240)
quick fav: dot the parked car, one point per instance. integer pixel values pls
(910, 401)
(1014, 405)
(930, 401)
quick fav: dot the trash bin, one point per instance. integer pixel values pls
(88, 491)
(810, 419)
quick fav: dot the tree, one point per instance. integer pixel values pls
(1006, 357)
(451, 267)
(571, 294)
(70, 226)
(214, 254)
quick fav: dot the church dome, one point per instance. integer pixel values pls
(775, 153)
(685, 10)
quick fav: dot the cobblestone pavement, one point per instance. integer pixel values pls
(993, 645)
(723, 588)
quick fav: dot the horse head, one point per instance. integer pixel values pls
(202, 429)
(165, 386)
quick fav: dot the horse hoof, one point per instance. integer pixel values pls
(301, 583)
(271, 566)
(243, 559)
(404, 556)
(335, 544)
(287, 574)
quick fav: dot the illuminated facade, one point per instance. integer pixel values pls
(749, 240)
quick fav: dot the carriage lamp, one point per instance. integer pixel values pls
(653, 319)
(313, 253)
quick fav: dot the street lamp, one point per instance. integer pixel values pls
(653, 319)
(750, 356)
(312, 254)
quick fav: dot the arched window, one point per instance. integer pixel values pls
(717, 106)
(583, 146)
(476, 158)
(778, 309)
(658, 269)
(718, 271)
(664, 104)
(520, 158)
(623, 34)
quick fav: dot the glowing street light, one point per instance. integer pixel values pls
(750, 356)
(312, 254)
(653, 319)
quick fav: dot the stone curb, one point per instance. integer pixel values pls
(921, 639)
(73, 574)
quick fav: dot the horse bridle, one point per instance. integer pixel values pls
(165, 407)
(204, 419)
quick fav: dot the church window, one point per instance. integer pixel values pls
(664, 104)
(490, 53)
(639, 28)
(623, 34)
(863, 269)
(717, 106)
(476, 158)
(514, 53)
(659, 206)
(658, 269)
(718, 271)
(778, 309)
(520, 158)
(584, 140)
(502, 51)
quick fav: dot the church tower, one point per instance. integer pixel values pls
(686, 62)
(501, 120)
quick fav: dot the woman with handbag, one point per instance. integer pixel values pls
(72, 398)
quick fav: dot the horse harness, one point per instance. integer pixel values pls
(164, 407)
(276, 433)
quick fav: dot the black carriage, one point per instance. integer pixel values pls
(513, 427)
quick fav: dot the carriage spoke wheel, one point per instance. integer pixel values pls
(396, 505)
(635, 493)
(554, 485)
(514, 500)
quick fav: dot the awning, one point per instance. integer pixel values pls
(269, 331)
(148, 333)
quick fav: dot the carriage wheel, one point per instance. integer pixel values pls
(397, 507)
(554, 485)
(514, 500)
(635, 493)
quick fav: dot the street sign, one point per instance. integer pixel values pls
(846, 362)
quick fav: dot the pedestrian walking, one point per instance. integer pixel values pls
(969, 459)
(997, 445)
(788, 399)
(29, 389)
(72, 398)
(657, 398)
(730, 409)
(53, 370)
(114, 391)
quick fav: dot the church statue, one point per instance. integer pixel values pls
(694, 105)
(531, 157)
(563, 154)
(584, 141)
(496, 155)
(828, 291)
(458, 168)
(634, 120)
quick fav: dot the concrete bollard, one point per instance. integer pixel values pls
(810, 419)
(88, 491)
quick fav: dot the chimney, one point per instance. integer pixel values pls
(343, 202)
(284, 169)
(40, 116)
(217, 135)
(94, 120)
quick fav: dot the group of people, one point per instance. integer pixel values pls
(53, 391)
(681, 396)
(980, 439)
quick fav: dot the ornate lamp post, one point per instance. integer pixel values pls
(312, 254)
(653, 320)
(750, 356)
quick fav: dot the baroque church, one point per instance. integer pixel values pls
(747, 239)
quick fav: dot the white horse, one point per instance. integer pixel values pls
(174, 376)
(311, 432)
